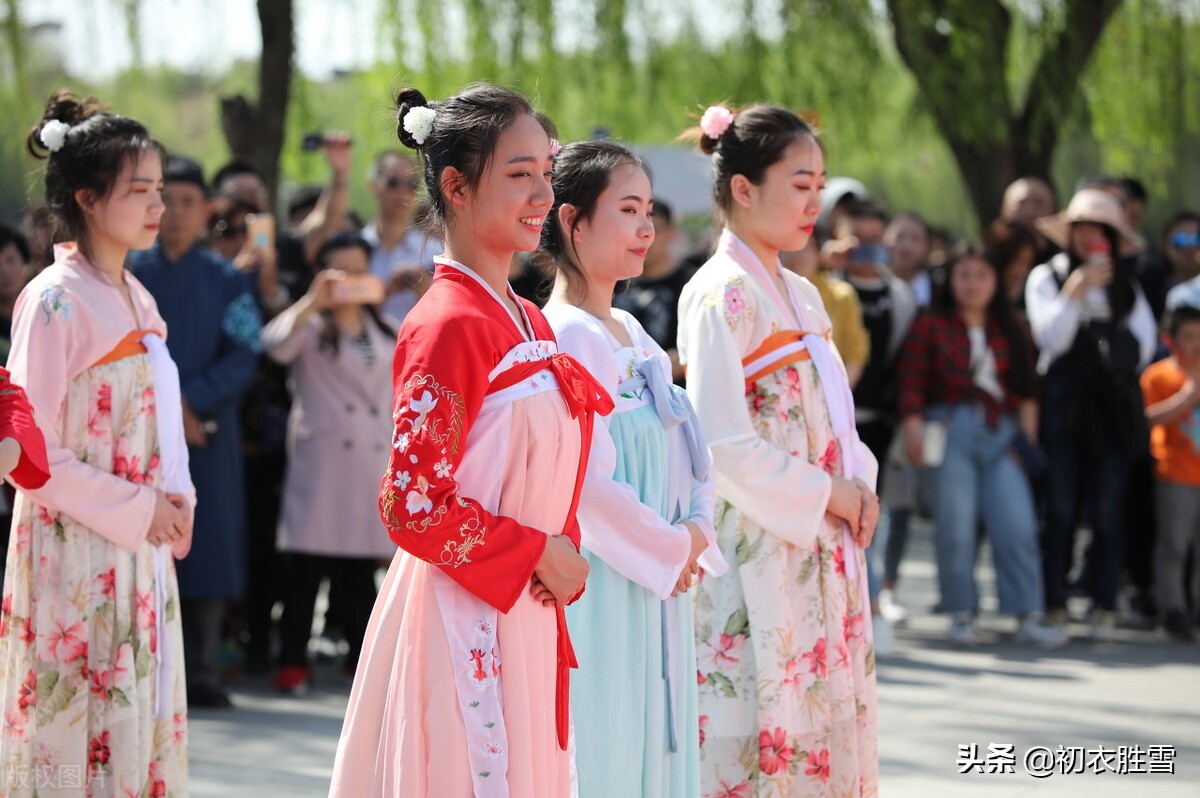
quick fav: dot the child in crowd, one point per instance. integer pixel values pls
(1171, 389)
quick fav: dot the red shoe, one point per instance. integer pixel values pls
(293, 679)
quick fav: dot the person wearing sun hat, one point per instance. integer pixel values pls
(1096, 332)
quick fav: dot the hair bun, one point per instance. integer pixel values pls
(65, 107)
(407, 100)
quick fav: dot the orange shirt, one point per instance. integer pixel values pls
(1176, 447)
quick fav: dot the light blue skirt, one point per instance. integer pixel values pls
(636, 730)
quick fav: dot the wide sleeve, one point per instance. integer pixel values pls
(16, 422)
(114, 508)
(781, 492)
(283, 341)
(702, 493)
(630, 537)
(914, 375)
(1053, 318)
(440, 378)
(229, 375)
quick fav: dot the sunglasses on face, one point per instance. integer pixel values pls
(224, 229)
(408, 183)
(1185, 240)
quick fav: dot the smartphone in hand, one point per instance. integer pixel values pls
(357, 289)
(260, 228)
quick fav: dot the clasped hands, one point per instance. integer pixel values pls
(857, 504)
(562, 571)
(172, 521)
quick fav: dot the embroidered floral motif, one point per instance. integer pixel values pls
(418, 498)
(55, 302)
(733, 301)
(402, 480)
(442, 468)
(422, 407)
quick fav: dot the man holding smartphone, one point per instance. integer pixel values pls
(403, 253)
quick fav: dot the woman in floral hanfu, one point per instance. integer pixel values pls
(91, 646)
(786, 665)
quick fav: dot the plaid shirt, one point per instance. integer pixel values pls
(935, 368)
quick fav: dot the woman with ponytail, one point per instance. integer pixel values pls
(490, 442)
(91, 647)
(786, 662)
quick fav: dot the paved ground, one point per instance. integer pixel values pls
(1139, 691)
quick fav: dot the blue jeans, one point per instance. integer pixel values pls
(980, 478)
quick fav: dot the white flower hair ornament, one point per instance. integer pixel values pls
(54, 134)
(419, 122)
(716, 120)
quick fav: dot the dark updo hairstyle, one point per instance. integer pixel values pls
(96, 149)
(582, 172)
(464, 135)
(331, 335)
(755, 141)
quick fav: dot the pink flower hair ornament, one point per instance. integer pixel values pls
(715, 121)
(555, 148)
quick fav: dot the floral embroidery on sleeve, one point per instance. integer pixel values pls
(55, 302)
(427, 444)
(733, 301)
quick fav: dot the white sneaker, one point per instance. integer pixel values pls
(962, 630)
(892, 612)
(1032, 631)
(1104, 627)
(885, 639)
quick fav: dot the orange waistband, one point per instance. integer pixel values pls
(130, 345)
(773, 343)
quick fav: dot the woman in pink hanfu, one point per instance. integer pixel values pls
(786, 663)
(461, 689)
(91, 648)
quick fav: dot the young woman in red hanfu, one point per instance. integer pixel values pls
(461, 689)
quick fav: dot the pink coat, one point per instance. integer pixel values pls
(339, 434)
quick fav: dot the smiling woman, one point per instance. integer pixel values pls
(490, 441)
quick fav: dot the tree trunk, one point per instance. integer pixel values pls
(255, 132)
(957, 50)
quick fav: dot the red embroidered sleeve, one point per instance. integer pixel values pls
(16, 422)
(440, 377)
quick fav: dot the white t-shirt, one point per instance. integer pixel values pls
(983, 364)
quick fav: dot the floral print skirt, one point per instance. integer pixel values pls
(79, 646)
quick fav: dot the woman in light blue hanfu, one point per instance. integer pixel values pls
(646, 511)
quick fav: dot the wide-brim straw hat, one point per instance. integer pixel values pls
(1096, 206)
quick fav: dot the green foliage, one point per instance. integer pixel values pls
(645, 69)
